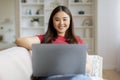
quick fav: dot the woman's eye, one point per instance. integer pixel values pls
(64, 19)
(56, 20)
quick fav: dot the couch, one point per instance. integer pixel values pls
(15, 64)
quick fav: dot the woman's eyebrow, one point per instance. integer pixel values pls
(65, 17)
(62, 17)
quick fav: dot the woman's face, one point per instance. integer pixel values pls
(61, 22)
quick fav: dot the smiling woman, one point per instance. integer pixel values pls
(60, 31)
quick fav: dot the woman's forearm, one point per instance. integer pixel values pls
(27, 42)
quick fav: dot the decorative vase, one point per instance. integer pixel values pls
(35, 24)
(1, 38)
(24, 1)
(76, 0)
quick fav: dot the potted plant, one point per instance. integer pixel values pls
(35, 22)
(1, 34)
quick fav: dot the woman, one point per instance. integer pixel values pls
(60, 31)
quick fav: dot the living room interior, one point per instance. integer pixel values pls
(107, 30)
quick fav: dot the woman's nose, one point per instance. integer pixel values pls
(61, 21)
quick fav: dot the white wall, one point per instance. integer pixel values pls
(108, 32)
(7, 9)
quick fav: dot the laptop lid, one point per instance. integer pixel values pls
(58, 59)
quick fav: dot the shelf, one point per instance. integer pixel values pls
(33, 15)
(32, 4)
(88, 38)
(84, 15)
(84, 27)
(80, 3)
(41, 27)
(49, 9)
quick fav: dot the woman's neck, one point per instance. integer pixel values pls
(61, 34)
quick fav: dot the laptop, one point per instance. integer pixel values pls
(58, 59)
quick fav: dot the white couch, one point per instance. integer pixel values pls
(15, 64)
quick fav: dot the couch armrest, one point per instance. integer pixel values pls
(96, 65)
(15, 64)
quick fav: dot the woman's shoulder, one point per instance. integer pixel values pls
(79, 40)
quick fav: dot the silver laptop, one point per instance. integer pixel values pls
(58, 59)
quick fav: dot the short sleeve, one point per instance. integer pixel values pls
(79, 40)
(40, 37)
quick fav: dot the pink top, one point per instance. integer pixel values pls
(61, 40)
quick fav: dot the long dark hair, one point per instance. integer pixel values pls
(51, 33)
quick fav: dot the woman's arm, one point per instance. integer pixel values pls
(88, 66)
(27, 42)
